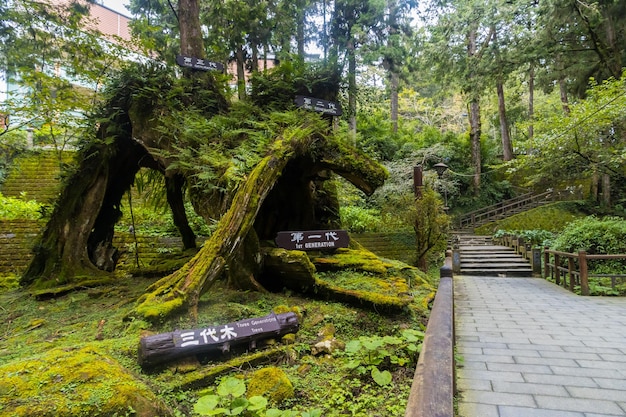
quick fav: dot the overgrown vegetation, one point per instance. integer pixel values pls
(91, 321)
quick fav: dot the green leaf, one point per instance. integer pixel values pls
(273, 412)
(381, 378)
(231, 386)
(238, 406)
(257, 403)
(353, 346)
(352, 364)
(206, 404)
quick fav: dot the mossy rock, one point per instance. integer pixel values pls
(271, 383)
(361, 278)
(74, 382)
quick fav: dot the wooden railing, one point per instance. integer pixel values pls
(576, 272)
(433, 389)
(497, 211)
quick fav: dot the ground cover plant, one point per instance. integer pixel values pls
(53, 349)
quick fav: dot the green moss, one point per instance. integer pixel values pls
(73, 382)
(552, 217)
(271, 383)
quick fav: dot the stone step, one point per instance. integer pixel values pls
(479, 257)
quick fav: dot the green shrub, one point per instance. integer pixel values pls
(358, 219)
(595, 236)
(19, 208)
(535, 237)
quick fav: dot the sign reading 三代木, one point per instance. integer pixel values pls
(313, 239)
(318, 105)
(225, 333)
(198, 63)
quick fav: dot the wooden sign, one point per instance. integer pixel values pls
(166, 347)
(313, 240)
(198, 63)
(318, 105)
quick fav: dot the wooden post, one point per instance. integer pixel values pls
(570, 272)
(417, 181)
(584, 279)
(546, 262)
(557, 271)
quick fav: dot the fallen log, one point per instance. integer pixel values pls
(165, 347)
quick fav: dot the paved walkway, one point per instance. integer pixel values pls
(532, 349)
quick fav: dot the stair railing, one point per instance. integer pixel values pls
(499, 210)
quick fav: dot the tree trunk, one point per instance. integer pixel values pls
(183, 288)
(531, 105)
(300, 26)
(395, 79)
(351, 86)
(475, 132)
(507, 147)
(241, 73)
(174, 189)
(76, 245)
(563, 91)
(474, 112)
(606, 190)
(190, 29)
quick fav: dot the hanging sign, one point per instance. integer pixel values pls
(318, 105)
(313, 240)
(198, 63)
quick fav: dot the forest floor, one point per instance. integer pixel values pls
(368, 372)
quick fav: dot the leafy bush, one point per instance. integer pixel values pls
(15, 208)
(358, 219)
(230, 400)
(376, 355)
(595, 236)
(535, 237)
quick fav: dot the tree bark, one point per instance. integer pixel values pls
(174, 189)
(241, 73)
(531, 105)
(351, 85)
(474, 112)
(395, 80)
(507, 147)
(190, 29)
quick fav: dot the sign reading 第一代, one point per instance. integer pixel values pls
(318, 105)
(313, 239)
(198, 63)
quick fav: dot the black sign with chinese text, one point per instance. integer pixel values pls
(215, 335)
(198, 63)
(318, 105)
(164, 347)
(313, 239)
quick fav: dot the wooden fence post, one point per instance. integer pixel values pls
(546, 263)
(557, 271)
(584, 281)
(570, 273)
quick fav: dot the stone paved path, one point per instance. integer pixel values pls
(532, 349)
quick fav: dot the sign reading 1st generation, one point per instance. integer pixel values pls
(313, 239)
(318, 105)
(198, 63)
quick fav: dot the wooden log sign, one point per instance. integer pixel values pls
(166, 347)
(318, 105)
(313, 239)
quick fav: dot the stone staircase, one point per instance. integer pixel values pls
(36, 176)
(478, 256)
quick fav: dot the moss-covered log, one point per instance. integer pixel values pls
(272, 175)
(183, 287)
